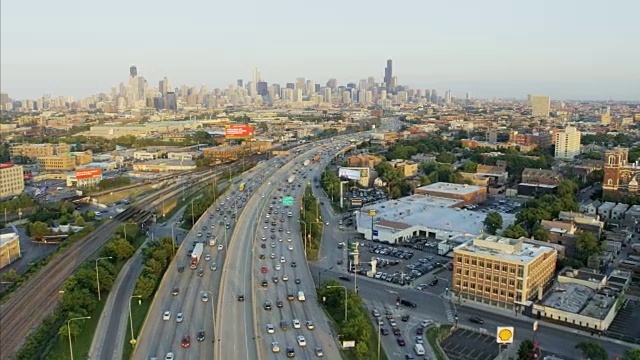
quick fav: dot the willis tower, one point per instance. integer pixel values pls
(388, 76)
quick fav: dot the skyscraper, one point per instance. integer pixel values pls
(567, 143)
(255, 79)
(388, 75)
(240, 83)
(133, 71)
(540, 105)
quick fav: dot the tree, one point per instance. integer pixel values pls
(514, 231)
(145, 286)
(446, 157)
(79, 221)
(526, 350)
(493, 222)
(119, 249)
(470, 167)
(38, 229)
(540, 233)
(587, 245)
(592, 350)
(11, 276)
(631, 354)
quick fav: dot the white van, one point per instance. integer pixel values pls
(419, 349)
(301, 296)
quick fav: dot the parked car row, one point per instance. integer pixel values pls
(389, 250)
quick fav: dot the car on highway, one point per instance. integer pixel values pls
(201, 335)
(205, 297)
(291, 352)
(279, 303)
(309, 324)
(213, 266)
(401, 342)
(273, 245)
(296, 324)
(297, 281)
(375, 313)
(291, 297)
(476, 320)
(396, 331)
(319, 352)
(169, 356)
(175, 291)
(293, 264)
(207, 257)
(278, 267)
(240, 297)
(220, 246)
(180, 268)
(186, 341)
(419, 339)
(282, 259)
(271, 329)
(179, 317)
(384, 331)
(267, 305)
(200, 272)
(275, 279)
(425, 323)
(285, 278)
(166, 315)
(273, 256)
(419, 331)
(290, 247)
(408, 303)
(275, 347)
(301, 340)
(264, 270)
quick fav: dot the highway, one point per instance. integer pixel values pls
(159, 337)
(243, 324)
(25, 309)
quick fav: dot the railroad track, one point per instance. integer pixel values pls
(28, 306)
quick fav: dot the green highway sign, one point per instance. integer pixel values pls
(287, 201)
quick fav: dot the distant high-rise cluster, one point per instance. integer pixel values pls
(540, 105)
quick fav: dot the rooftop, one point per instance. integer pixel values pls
(7, 238)
(580, 299)
(504, 248)
(449, 188)
(607, 206)
(426, 211)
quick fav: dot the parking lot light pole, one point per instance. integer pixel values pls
(345, 297)
(98, 274)
(69, 332)
(139, 297)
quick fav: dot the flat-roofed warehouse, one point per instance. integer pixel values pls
(399, 220)
(470, 194)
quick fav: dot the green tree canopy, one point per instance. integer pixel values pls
(493, 222)
(514, 231)
(587, 245)
(592, 350)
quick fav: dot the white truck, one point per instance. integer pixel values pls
(291, 179)
(196, 254)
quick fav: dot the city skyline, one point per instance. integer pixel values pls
(493, 49)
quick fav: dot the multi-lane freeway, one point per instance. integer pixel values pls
(189, 295)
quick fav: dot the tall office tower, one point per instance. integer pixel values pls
(316, 88)
(332, 83)
(567, 143)
(133, 71)
(371, 82)
(346, 97)
(434, 95)
(142, 88)
(383, 94)
(271, 93)
(351, 85)
(394, 84)
(297, 95)
(310, 87)
(447, 97)
(239, 82)
(540, 105)
(468, 96)
(291, 86)
(263, 88)
(164, 86)
(172, 101)
(276, 88)
(288, 94)
(283, 93)
(362, 95)
(255, 79)
(4, 99)
(388, 74)
(369, 97)
(362, 84)
(327, 95)
(300, 83)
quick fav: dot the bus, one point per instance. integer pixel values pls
(241, 186)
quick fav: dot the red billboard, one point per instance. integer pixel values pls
(88, 173)
(238, 132)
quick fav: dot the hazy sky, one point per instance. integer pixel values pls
(582, 49)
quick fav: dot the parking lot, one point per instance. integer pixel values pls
(499, 204)
(465, 344)
(400, 330)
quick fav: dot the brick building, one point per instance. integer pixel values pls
(470, 194)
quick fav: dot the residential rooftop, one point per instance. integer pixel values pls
(504, 248)
(580, 299)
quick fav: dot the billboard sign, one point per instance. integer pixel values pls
(356, 202)
(238, 132)
(88, 173)
(350, 174)
(504, 334)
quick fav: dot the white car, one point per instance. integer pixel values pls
(301, 340)
(290, 247)
(271, 329)
(275, 347)
(282, 260)
(278, 267)
(166, 315)
(179, 317)
(419, 340)
(220, 247)
(296, 324)
(426, 323)
(289, 239)
(289, 232)
(309, 324)
(285, 278)
(169, 356)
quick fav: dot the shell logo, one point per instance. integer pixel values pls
(504, 335)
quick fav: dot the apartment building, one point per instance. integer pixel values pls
(65, 162)
(407, 168)
(34, 151)
(567, 143)
(364, 160)
(502, 272)
(11, 180)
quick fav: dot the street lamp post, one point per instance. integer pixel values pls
(345, 298)
(304, 238)
(173, 238)
(98, 274)
(139, 297)
(213, 315)
(69, 331)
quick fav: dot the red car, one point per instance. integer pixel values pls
(263, 270)
(186, 341)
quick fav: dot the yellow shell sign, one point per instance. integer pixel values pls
(504, 334)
